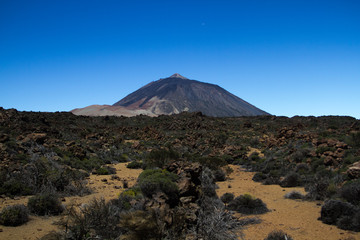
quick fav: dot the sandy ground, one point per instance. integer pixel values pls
(297, 218)
(39, 226)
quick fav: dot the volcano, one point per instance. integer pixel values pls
(173, 95)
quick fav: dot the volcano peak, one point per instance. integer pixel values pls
(176, 75)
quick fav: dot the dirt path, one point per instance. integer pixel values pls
(295, 217)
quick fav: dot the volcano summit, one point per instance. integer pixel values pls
(176, 94)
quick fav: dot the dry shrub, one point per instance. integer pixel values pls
(45, 204)
(95, 219)
(14, 215)
(294, 195)
(140, 225)
(247, 204)
(278, 235)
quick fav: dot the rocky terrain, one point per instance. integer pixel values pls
(174, 95)
(182, 155)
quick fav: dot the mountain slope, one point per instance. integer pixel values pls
(176, 94)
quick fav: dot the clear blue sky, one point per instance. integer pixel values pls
(287, 57)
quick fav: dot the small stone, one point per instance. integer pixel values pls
(39, 229)
(1, 230)
(104, 180)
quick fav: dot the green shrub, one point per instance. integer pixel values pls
(255, 157)
(153, 181)
(318, 189)
(45, 204)
(247, 204)
(14, 215)
(259, 177)
(140, 225)
(15, 187)
(125, 199)
(134, 165)
(105, 170)
(321, 150)
(278, 235)
(291, 180)
(342, 214)
(227, 197)
(213, 163)
(160, 157)
(354, 140)
(351, 192)
(219, 175)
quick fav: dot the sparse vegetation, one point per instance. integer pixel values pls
(291, 180)
(294, 195)
(58, 151)
(247, 204)
(14, 215)
(105, 170)
(351, 192)
(45, 204)
(95, 219)
(134, 165)
(278, 235)
(344, 215)
(227, 197)
(153, 181)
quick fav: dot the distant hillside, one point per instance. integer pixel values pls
(176, 94)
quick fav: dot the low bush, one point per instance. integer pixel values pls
(332, 210)
(351, 192)
(342, 214)
(52, 236)
(153, 181)
(278, 235)
(45, 204)
(14, 215)
(351, 223)
(97, 220)
(259, 177)
(302, 168)
(227, 197)
(140, 225)
(219, 175)
(15, 187)
(134, 165)
(248, 204)
(294, 195)
(160, 157)
(106, 170)
(271, 180)
(125, 199)
(213, 163)
(291, 180)
(318, 189)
